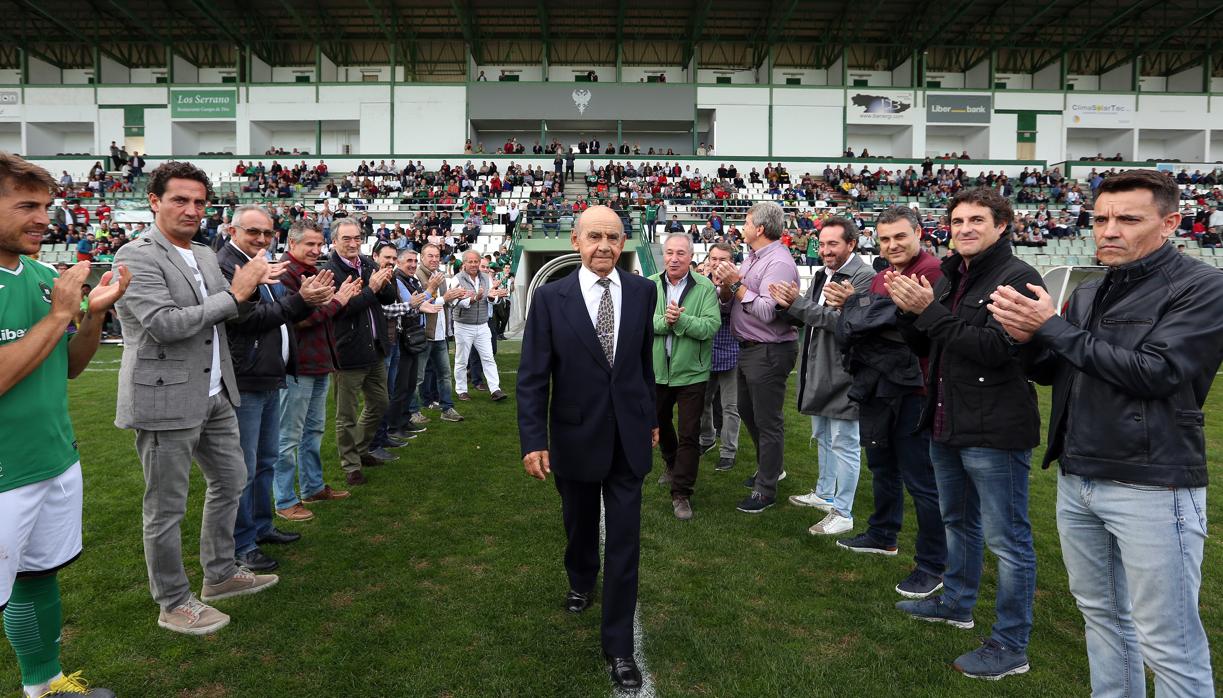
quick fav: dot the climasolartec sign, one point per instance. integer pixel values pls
(958, 109)
(204, 104)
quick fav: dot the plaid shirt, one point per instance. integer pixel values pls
(725, 346)
(315, 336)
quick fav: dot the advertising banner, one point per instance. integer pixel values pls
(1099, 111)
(204, 104)
(958, 109)
(869, 105)
(580, 101)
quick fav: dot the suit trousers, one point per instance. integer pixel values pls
(580, 510)
(479, 337)
(352, 438)
(764, 370)
(166, 458)
(681, 452)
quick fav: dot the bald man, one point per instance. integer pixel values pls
(589, 345)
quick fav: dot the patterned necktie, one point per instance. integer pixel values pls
(605, 322)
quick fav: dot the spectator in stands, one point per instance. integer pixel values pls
(686, 317)
(1131, 502)
(890, 400)
(84, 248)
(137, 163)
(984, 422)
(263, 339)
(361, 345)
(823, 388)
(303, 401)
(175, 311)
(471, 330)
(767, 350)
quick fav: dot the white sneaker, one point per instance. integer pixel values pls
(811, 499)
(832, 524)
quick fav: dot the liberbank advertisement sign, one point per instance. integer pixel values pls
(869, 105)
(581, 101)
(204, 104)
(958, 109)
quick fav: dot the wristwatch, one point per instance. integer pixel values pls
(734, 288)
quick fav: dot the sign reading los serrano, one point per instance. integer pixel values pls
(204, 104)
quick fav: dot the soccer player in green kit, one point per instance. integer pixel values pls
(40, 469)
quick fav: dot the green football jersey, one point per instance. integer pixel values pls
(36, 439)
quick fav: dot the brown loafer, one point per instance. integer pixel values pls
(327, 494)
(297, 512)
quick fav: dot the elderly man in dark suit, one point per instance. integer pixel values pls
(177, 390)
(588, 344)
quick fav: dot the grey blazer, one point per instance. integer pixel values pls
(167, 335)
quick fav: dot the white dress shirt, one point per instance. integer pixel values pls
(592, 292)
(214, 378)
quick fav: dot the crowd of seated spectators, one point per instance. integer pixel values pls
(278, 180)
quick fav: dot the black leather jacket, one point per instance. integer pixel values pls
(360, 330)
(1131, 363)
(988, 401)
(255, 340)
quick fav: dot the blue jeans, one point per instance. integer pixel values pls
(840, 461)
(303, 411)
(904, 464)
(983, 495)
(436, 360)
(258, 432)
(1134, 556)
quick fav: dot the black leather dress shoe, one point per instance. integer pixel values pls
(624, 672)
(278, 537)
(576, 602)
(256, 561)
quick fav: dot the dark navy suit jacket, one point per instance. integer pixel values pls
(591, 403)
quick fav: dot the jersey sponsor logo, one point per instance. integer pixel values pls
(7, 335)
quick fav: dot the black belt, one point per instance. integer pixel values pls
(746, 343)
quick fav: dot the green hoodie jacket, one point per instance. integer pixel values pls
(692, 334)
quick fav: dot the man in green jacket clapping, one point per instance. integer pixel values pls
(686, 317)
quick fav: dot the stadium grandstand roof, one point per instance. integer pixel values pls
(432, 38)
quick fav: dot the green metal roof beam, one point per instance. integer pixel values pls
(306, 27)
(1006, 40)
(138, 24)
(206, 10)
(947, 19)
(1159, 40)
(467, 23)
(774, 33)
(696, 29)
(92, 41)
(1098, 31)
(545, 33)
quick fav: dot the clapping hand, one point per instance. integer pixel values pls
(379, 278)
(909, 294)
(784, 294)
(1019, 315)
(103, 298)
(348, 290)
(837, 292)
(673, 312)
(317, 291)
(66, 294)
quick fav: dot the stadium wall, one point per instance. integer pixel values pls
(766, 121)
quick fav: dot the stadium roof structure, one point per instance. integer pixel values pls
(433, 39)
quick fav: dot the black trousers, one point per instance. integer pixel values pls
(621, 494)
(681, 452)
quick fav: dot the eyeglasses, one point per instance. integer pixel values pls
(258, 231)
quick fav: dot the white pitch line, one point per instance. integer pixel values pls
(647, 681)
